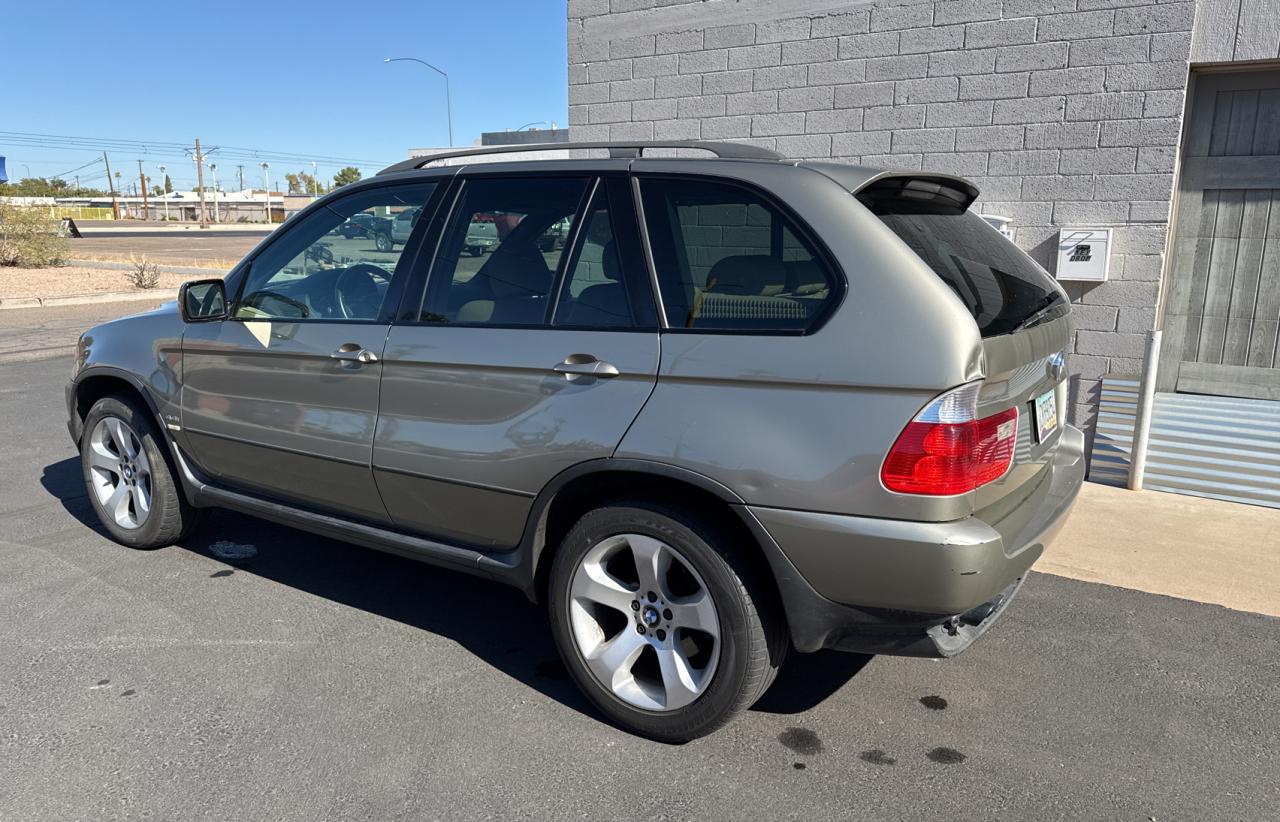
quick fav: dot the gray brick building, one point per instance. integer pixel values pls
(1065, 113)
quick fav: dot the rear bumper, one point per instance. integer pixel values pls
(915, 588)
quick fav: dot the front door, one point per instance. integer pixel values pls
(1222, 314)
(283, 397)
(523, 362)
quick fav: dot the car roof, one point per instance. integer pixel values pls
(853, 178)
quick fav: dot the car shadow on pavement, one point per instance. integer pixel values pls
(493, 621)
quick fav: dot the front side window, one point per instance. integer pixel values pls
(499, 256)
(338, 262)
(729, 260)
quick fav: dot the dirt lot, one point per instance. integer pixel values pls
(65, 281)
(171, 247)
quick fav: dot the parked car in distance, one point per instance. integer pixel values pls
(360, 225)
(481, 238)
(749, 407)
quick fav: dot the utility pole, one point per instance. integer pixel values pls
(146, 209)
(240, 172)
(204, 218)
(115, 204)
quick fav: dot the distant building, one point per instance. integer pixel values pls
(247, 206)
(504, 138)
(536, 135)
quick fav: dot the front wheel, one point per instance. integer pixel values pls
(128, 479)
(660, 622)
(382, 241)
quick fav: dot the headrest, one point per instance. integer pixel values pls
(610, 265)
(746, 274)
(517, 272)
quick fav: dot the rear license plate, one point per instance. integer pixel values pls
(1046, 409)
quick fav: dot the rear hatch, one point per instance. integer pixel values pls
(1021, 312)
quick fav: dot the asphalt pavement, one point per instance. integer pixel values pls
(40, 333)
(319, 680)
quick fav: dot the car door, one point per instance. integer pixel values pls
(518, 364)
(282, 397)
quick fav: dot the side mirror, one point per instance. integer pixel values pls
(203, 301)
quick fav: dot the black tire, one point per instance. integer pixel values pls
(171, 517)
(753, 639)
(382, 241)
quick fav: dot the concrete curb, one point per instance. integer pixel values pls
(172, 269)
(257, 228)
(158, 295)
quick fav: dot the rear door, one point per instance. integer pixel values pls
(282, 398)
(518, 364)
(1021, 312)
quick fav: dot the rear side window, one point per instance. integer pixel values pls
(1003, 288)
(727, 259)
(502, 250)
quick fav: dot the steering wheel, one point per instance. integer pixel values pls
(356, 291)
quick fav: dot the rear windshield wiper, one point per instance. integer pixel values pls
(1039, 313)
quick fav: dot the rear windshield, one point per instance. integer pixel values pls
(1002, 287)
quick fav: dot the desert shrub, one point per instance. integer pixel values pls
(144, 274)
(28, 238)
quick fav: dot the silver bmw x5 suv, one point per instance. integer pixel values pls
(743, 405)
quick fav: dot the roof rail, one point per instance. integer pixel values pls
(729, 151)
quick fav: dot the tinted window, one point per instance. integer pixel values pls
(595, 293)
(728, 259)
(1002, 287)
(334, 265)
(500, 254)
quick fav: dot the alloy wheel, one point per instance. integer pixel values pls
(119, 472)
(644, 622)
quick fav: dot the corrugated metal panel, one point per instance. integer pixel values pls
(1220, 447)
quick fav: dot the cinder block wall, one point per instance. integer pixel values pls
(1064, 112)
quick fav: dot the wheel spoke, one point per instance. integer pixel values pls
(599, 586)
(141, 501)
(101, 457)
(679, 681)
(118, 504)
(119, 437)
(697, 613)
(612, 660)
(653, 560)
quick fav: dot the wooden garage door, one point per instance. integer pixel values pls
(1222, 316)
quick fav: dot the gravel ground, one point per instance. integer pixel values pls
(64, 281)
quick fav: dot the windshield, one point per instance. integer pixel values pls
(1002, 287)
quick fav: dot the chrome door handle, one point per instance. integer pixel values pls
(350, 352)
(585, 365)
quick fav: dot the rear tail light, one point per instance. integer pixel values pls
(947, 450)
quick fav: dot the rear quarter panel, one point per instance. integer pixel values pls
(804, 421)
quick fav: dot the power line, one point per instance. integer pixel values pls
(94, 161)
(168, 149)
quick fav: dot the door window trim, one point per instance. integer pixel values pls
(839, 280)
(406, 263)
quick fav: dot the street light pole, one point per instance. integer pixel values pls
(448, 101)
(213, 169)
(266, 185)
(164, 190)
(315, 181)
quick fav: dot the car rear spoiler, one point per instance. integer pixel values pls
(870, 184)
(938, 189)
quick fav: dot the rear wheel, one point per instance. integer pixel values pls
(661, 624)
(128, 478)
(382, 241)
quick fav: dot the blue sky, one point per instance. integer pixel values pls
(296, 77)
